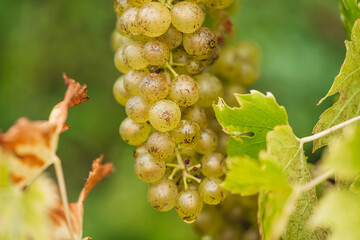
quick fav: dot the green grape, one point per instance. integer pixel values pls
(153, 19)
(196, 114)
(160, 145)
(222, 143)
(154, 87)
(187, 152)
(198, 1)
(134, 133)
(120, 6)
(137, 109)
(148, 169)
(139, 150)
(186, 134)
(184, 90)
(247, 51)
(213, 164)
(209, 221)
(118, 40)
(188, 205)
(218, 4)
(210, 89)
(133, 56)
(201, 43)
(164, 115)
(211, 191)
(120, 93)
(119, 61)
(127, 22)
(248, 74)
(208, 141)
(172, 37)
(194, 66)
(187, 17)
(229, 91)
(156, 52)
(132, 80)
(180, 58)
(138, 3)
(228, 232)
(162, 195)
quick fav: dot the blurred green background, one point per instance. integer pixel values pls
(302, 48)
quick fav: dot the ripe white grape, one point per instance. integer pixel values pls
(120, 6)
(132, 80)
(154, 87)
(153, 19)
(180, 57)
(187, 17)
(186, 134)
(118, 40)
(120, 93)
(128, 23)
(211, 191)
(184, 90)
(213, 164)
(189, 205)
(148, 169)
(139, 150)
(164, 115)
(218, 4)
(208, 141)
(194, 66)
(138, 3)
(119, 61)
(134, 56)
(172, 37)
(156, 52)
(210, 89)
(162, 194)
(200, 43)
(160, 145)
(196, 114)
(134, 133)
(137, 109)
(197, 1)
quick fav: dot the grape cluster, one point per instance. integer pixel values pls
(168, 87)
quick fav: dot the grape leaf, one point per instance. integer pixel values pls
(248, 125)
(348, 85)
(340, 211)
(350, 11)
(343, 154)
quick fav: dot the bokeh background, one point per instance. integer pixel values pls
(302, 48)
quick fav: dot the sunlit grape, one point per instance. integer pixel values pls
(196, 114)
(153, 19)
(186, 17)
(118, 40)
(128, 23)
(160, 145)
(120, 93)
(186, 134)
(148, 169)
(154, 87)
(134, 56)
(137, 109)
(213, 164)
(119, 61)
(138, 3)
(120, 6)
(184, 90)
(189, 205)
(201, 43)
(162, 194)
(164, 115)
(172, 37)
(156, 52)
(132, 80)
(208, 141)
(134, 133)
(210, 89)
(211, 191)
(194, 66)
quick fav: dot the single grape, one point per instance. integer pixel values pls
(148, 169)
(156, 52)
(222, 143)
(187, 17)
(229, 91)
(164, 115)
(120, 6)
(132, 80)
(127, 22)
(118, 40)
(213, 164)
(186, 134)
(172, 37)
(134, 56)
(119, 61)
(208, 141)
(247, 51)
(120, 93)
(209, 221)
(154, 87)
(138, 3)
(196, 114)
(248, 74)
(211, 192)
(184, 90)
(134, 133)
(139, 150)
(200, 43)
(180, 58)
(137, 109)
(194, 66)
(160, 145)
(162, 194)
(218, 4)
(153, 19)
(210, 89)
(189, 205)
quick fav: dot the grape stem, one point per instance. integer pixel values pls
(329, 130)
(194, 166)
(316, 181)
(186, 175)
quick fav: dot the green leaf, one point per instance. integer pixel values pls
(355, 186)
(340, 211)
(350, 11)
(344, 154)
(348, 85)
(248, 125)
(284, 149)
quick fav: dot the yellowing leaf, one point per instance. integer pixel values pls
(348, 85)
(248, 125)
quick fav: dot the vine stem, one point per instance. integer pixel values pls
(168, 66)
(329, 130)
(316, 181)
